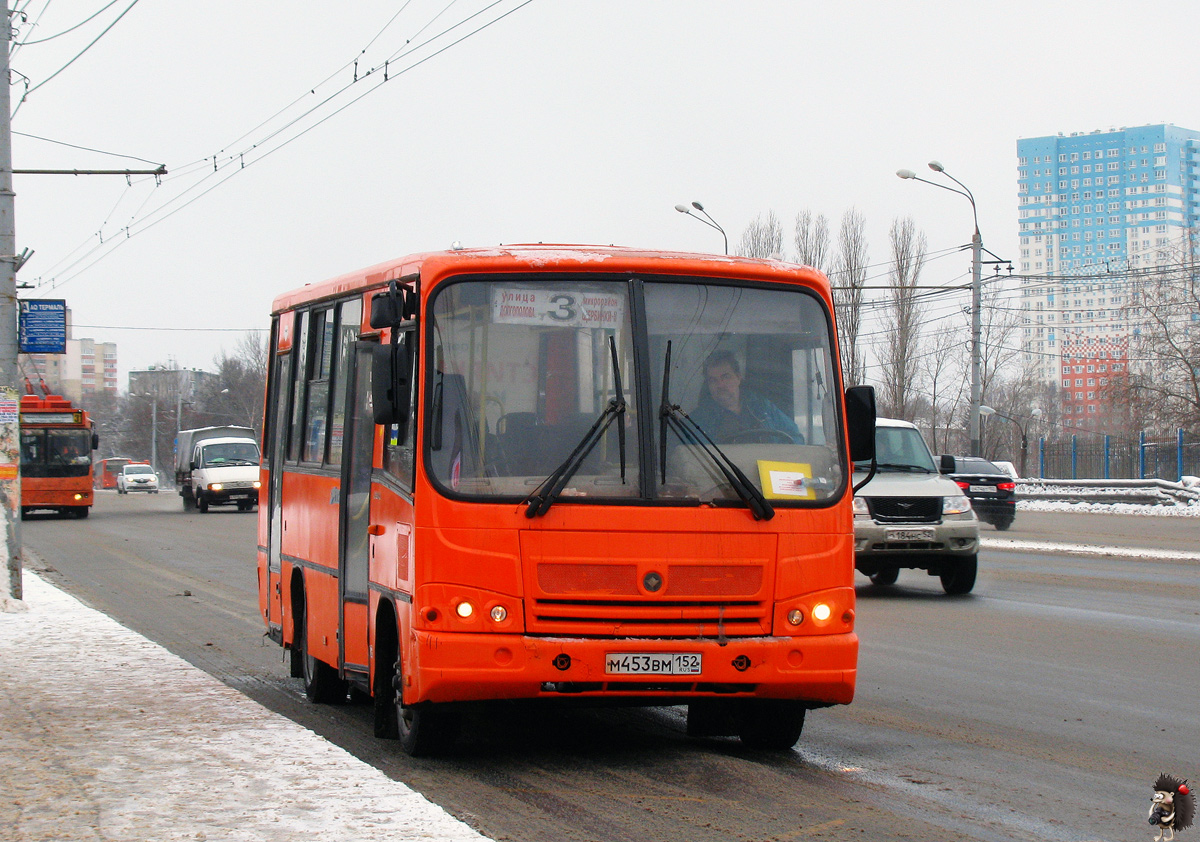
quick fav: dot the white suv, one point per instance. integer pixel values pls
(137, 478)
(909, 515)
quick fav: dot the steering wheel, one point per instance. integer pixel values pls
(760, 435)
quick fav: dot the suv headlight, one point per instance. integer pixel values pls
(955, 505)
(860, 508)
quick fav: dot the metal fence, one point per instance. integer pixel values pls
(1106, 457)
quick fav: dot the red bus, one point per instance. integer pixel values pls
(563, 473)
(108, 469)
(57, 440)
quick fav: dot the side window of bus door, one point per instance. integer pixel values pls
(399, 441)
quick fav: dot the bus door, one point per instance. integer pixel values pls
(275, 458)
(355, 506)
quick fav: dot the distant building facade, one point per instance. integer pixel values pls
(1099, 213)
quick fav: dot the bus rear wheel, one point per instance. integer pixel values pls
(321, 682)
(771, 724)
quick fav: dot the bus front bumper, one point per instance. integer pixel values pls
(478, 667)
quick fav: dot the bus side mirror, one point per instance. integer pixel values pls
(95, 441)
(390, 388)
(947, 465)
(860, 422)
(398, 304)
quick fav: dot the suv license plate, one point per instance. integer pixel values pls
(920, 534)
(656, 663)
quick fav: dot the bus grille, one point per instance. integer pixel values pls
(701, 600)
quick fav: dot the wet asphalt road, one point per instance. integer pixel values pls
(1039, 707)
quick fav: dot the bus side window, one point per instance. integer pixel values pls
(399, 441)
(299, 367)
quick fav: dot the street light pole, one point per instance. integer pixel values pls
(1033, 413)
(976, 298)
(710, 222)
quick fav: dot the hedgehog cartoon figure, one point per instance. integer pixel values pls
(1172, 808)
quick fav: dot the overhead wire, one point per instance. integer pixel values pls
(140, 225)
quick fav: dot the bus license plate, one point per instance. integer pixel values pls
(657, 663)
(920, 534)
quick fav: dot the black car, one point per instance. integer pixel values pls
(991, 491)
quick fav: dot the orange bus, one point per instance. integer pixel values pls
(563, 473)
(57, 440)
(108, 469)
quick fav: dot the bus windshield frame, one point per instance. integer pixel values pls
(503, 410)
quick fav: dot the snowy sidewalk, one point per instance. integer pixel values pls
(107, 736)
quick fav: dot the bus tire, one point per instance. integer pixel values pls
(771, 724)
(321, 682)
(427, 729)
(82, 511)
(384, 688)
(959, 578)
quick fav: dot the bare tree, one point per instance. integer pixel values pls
(943, 369)
(900, 345)
(1165, 382)
(762, 237)
(999, 354)
(812, 240)
(236, 393)
(849, 275)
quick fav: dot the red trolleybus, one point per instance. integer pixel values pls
(563, 473)
(57, 440)
(107, 470)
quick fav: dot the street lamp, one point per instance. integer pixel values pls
(976, 295)
(709, 221)
(1036, 412)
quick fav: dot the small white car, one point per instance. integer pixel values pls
(137, 478)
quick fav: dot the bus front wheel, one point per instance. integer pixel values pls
(772, 724)
(427, 729)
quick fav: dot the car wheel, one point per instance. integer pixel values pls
(1002, 522)
(202, 505)
(959, 578)
(885, 576)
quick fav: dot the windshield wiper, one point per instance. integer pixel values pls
(671, 416)
(543, 497)
(893, 466)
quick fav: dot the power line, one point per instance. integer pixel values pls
(223, 168)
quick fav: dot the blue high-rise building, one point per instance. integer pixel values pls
(1097, 210)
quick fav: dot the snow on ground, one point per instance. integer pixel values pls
(1176, 510)
(107, 736)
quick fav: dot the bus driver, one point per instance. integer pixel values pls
(728, 412)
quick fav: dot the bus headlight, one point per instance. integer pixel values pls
(821, 611)
(499, 613)
(464, 609)
(78, 496)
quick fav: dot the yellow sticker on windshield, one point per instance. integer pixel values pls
(786, 480)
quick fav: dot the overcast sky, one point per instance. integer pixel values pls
(566, 121)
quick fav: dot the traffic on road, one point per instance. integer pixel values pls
(969, 711)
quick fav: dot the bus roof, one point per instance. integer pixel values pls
(433, 266)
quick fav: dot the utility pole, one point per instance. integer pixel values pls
(10, 419)
(976, 336)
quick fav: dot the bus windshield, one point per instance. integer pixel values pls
(56, 453)
(522, 368)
